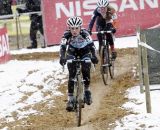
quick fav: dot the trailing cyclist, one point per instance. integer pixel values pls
(77, 42)
(106, 19)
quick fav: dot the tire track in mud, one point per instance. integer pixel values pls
(106, 99)
(91, 117)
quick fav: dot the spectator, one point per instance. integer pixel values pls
(5, 7)
(36, 20)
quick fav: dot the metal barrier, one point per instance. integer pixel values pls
(20, 38)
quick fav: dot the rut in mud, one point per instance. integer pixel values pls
(107, 100)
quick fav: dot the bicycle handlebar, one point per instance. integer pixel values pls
(102, 32)
(78, 60)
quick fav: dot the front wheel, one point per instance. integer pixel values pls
(111, 68)
(80, 96)
(79, 112)
(104, 65)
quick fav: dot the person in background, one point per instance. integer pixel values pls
(77, 42)
(106, 19)
(6, 7)
(36, 20)
(20, 1)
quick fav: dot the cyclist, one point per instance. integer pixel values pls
(77, 42)
(106, 19)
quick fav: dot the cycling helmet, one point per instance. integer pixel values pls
(74, 21)
(102, 3)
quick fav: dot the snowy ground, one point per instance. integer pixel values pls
(18, 81)
(142, 120)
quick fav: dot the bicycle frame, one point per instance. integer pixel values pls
(78, 88)
(105, 42)
(106, 46)
(107, 65)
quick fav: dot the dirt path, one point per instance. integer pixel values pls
(105, 108)
(99, 91)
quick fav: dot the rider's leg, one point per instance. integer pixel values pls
(110, 38)
(100, 41)
(72, 72)
(99, 38)
(111, 43)
(86, 76)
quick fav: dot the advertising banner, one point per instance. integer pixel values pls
(4, 46)
(131, 13)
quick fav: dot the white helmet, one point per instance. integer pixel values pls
(102, 3)
(74, 21)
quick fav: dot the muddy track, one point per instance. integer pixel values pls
(107, 100)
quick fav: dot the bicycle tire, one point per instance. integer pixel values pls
(104, 65)
(79, 113)
(111, 68)
(79, 100)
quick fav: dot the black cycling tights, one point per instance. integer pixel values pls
(72, 72)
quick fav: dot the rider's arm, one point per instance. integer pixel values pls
(92, 46)
(93, 19)
(63, 43)
(63, 47)
(114, 17)
(93, 49)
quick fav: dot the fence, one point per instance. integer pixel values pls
(18, 29)
(149, 61)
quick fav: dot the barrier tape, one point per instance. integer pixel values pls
(145, 44)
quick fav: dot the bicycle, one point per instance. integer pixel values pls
(78, 88)
(107, 63)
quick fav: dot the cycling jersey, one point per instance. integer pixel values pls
(103, 17)
(79, 45)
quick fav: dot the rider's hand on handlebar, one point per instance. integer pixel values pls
(113, 30)
(90, 32)
(94, 60)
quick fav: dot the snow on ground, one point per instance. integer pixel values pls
(25, 83)
(137, 103)
(20, 87)
(124, 42)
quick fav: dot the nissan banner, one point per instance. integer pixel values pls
(4, 46)
(131, 13)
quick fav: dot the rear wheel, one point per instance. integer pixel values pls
(104, 65)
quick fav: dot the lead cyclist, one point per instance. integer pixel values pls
(77, 42)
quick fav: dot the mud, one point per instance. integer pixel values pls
(107, 99)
